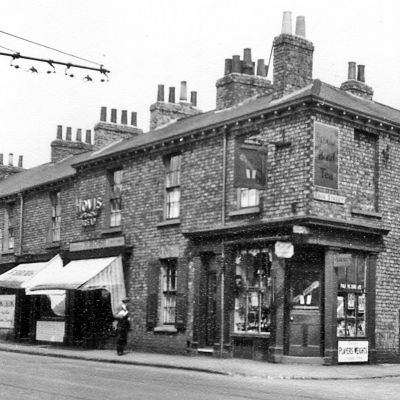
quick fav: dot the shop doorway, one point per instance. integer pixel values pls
(304, 328)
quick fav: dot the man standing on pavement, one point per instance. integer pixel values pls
(123, 325)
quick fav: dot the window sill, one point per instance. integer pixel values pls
(169, 222)
(373, 214)
(52, 245)
(110, 231)
(245, 211)
(261, 335)
(7, 252)
(165, 329)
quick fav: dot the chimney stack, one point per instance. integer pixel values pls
(10, 159)
(79, 135)
(114, 115)
(134, 118)
(293, 58)
(162, 113)
(20, 161)
(88, 138)
(124, 117)
(103, 114)
(69, 134)
(59, 132)
(357, 87)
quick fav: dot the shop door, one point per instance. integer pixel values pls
(304, 311)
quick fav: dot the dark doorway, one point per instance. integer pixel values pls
(304, 293)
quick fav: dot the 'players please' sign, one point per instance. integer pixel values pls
(326, 155)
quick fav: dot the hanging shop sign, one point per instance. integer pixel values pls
(353, 351)
(284, 249)
(89, 210)
(249, 167)
(7, 311)
(343, 260)
(326, 155)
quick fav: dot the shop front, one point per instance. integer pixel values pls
(287, 297)
(71, 304)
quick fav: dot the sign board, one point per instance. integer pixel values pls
(342, 260)
(301, 229)
(7, 311)
(353, 351)
(89, 210)
(284, 249)
(326, 155)
(332, 198)
(97, 244)
(249, 167)
(50, 331)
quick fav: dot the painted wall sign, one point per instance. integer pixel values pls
(97, 244)
(353, 351)
(332, 198)
(326, 155)
(249, 167)
(284, 249)
(342, 260)
(89, 210)
(7, 311)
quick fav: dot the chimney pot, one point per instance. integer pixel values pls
(134, 118)
(193, 98)
(301, 26)
(69, 134)
(361, 73)
(287, 22)
(183, 96)
(59, 132)
(79, 135)
(260, 67)
(352, 70)
(171, 98)
(113, 115)
(247, 63)
(103, 114)
(88, 138)
(160, 93)
(20, 161)
(124, 117)
(10, 159)
(236, 64)
(228, 66)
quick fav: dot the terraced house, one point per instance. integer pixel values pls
(267, 228)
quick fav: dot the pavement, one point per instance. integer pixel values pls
(229, 367)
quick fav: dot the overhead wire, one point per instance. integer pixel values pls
(48, 47)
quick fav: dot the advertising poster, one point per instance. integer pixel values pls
(353, 351)
(326, 155)
(7, 311)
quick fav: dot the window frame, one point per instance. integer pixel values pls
(55, 216)
(240, 192)
(168, 295)
(113, 221)
(9, 228)
(172, 187)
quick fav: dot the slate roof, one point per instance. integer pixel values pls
(318, 90)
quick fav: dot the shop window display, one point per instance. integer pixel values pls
(252, 291)
(351, 299)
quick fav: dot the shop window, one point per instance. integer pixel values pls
(351, 299)
(115, 182)
(9, 228)
(168, 299)
(172, 187)
(252, 291)
(248, 197)
(55, 216)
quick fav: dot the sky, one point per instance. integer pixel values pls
(152, 42)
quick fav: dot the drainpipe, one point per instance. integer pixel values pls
(221, 348)
(21, 211)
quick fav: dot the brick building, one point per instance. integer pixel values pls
(266, 229)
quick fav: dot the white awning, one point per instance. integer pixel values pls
(20, 276)
(91, 274)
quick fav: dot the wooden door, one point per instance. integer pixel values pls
(305, 316)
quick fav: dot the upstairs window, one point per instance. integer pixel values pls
(172, 186)
(55, 216)
(248, 197)
(9, 227)
(115, 180)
